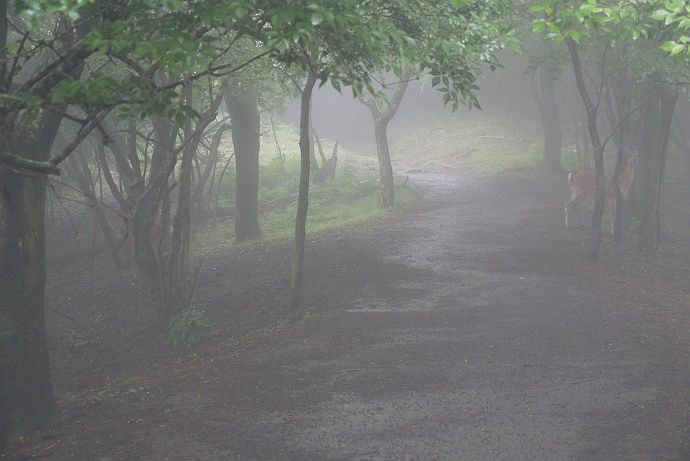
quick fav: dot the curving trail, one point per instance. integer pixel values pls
(472, 329)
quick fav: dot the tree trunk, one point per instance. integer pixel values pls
(621, 120)
(548, 112)
(246, 133)
(385, 165)
(198, 200)
(146, 196)
(27, 401)
(79, 170)
(302, 202)
(181, 225)
(597, 148)
(178, 293)
(381, 120)
(26, 393)
(658, 119)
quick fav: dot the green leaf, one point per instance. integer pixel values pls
(317, 18)
(668, 46)
(677, 49)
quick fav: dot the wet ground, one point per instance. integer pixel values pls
(470, 329)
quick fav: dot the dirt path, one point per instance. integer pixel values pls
(472, 330)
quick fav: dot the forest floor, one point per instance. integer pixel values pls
(471, 328)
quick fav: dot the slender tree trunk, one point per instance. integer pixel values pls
(658, 120)
(146, 196)
(181, 225)
(78, 169)
(385, 165)
(381, 120)
(246, 133)
(177, 283)
(597, 147)
(211, 165)
(302, 203)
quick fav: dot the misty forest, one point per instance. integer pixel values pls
(344, 230)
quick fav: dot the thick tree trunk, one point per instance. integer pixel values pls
(246, 133)
(302, 202)
(27, 401)
(26, 393)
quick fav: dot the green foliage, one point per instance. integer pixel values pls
(346, 40)
(37, 10)
(351, 197)
(140, 51)
(608, 20)
(278, 178)
(612, 20)
(643, 24)
(187, 328)
(675, 13)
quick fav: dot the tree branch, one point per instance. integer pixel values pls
(20, 163)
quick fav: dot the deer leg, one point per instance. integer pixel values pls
(572, 203)
(567, 207)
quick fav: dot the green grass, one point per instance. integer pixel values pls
(474, 142)
(335, 205)
(343, 201)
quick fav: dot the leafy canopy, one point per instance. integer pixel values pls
(343, 41)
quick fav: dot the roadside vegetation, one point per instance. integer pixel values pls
(351, 197)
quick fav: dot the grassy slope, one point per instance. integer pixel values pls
(468, 141)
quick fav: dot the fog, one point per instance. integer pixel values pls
(338, 115)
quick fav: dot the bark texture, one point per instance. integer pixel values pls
(658, 119)
(302, 202)
(597, 148)
(27, 401)
(381, 119)
(246, 133)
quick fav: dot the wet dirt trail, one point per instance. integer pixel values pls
(472, 329)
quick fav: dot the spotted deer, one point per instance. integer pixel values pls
(583, 185)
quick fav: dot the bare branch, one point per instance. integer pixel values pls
(20, 163)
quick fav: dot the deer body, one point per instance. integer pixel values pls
(584, 185)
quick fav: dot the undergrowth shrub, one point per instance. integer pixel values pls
(187, 328)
